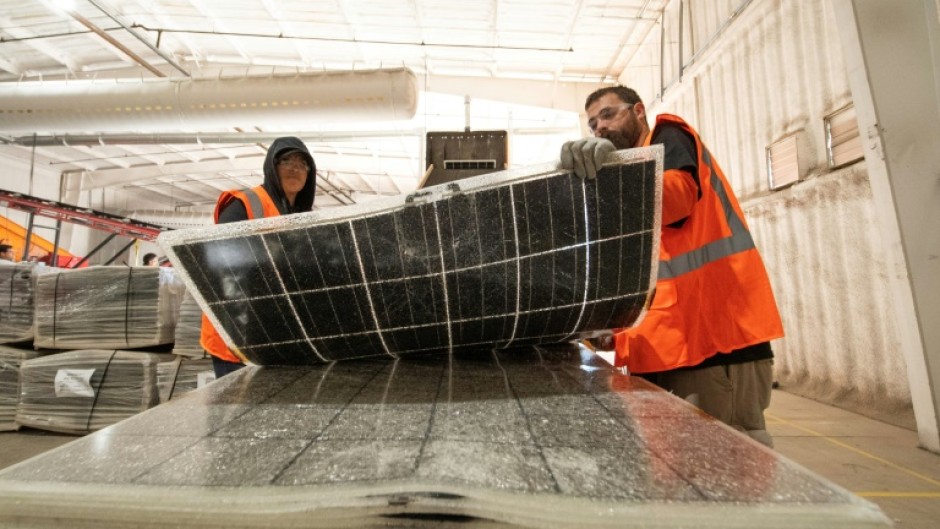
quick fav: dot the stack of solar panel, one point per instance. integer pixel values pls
(107, 306)
(172, 290)
(183, 375)
(16, 300)
(83, 391)
(10, 360)
(188, 325)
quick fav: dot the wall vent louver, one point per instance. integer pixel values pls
(843, 144)
(783, 164)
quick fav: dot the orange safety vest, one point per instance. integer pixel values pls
(258, 204)
(712, 293)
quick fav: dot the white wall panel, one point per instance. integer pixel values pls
(776, 69)
(672, 38)
(15, 177)
(643, 74)
(822, 248)
(76, 239)
(708, 17)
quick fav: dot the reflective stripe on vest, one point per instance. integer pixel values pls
(739, 241)
(256, 208)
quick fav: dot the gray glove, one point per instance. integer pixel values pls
(586, 156)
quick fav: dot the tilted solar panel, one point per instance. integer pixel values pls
(518, 257)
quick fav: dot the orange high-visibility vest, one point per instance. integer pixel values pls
(712, 292)
(258, 204)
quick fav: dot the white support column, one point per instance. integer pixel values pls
(892, 53)
(70, 192)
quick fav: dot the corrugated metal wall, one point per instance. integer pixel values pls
(776, 69)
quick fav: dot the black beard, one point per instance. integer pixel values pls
(617, 139)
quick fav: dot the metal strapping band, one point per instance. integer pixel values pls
(740, 239)
(256, 210)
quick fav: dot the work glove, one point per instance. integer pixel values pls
(586, 156)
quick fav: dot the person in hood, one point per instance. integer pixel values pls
(289, 185)
(290, 176)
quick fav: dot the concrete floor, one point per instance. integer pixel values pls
(875, 460)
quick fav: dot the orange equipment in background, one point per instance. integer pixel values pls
(39, 249)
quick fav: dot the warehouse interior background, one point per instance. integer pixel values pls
(823, 114)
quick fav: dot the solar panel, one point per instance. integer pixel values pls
(523, 438)
(513, 258)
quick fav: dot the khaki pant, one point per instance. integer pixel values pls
(735, 394)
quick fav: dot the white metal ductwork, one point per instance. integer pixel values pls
(197, 104)
(171, 219)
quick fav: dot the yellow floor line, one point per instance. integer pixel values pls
(896, 466)
(898, 494)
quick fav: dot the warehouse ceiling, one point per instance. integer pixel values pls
(488, 64)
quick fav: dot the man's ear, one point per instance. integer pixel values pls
(640, 110)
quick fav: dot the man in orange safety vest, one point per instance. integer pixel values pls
(706, 334)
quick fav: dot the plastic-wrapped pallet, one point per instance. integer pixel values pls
(188, 326)
(17, 285)
(84, 391)
(183, 375)
(108, 307)
(172, 290)
(10, 360)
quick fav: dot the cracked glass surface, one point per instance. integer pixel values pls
(529, 436)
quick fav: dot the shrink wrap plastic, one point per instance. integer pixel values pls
(10, 361)
(107, 307)
(17, 289)
(83, 391)
(188, 326)
(183, 375)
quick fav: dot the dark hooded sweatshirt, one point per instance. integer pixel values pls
(235, 210)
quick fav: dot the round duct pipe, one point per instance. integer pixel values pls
(197, 104)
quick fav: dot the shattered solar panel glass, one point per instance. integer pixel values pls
(503, 260)
(534, 437)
